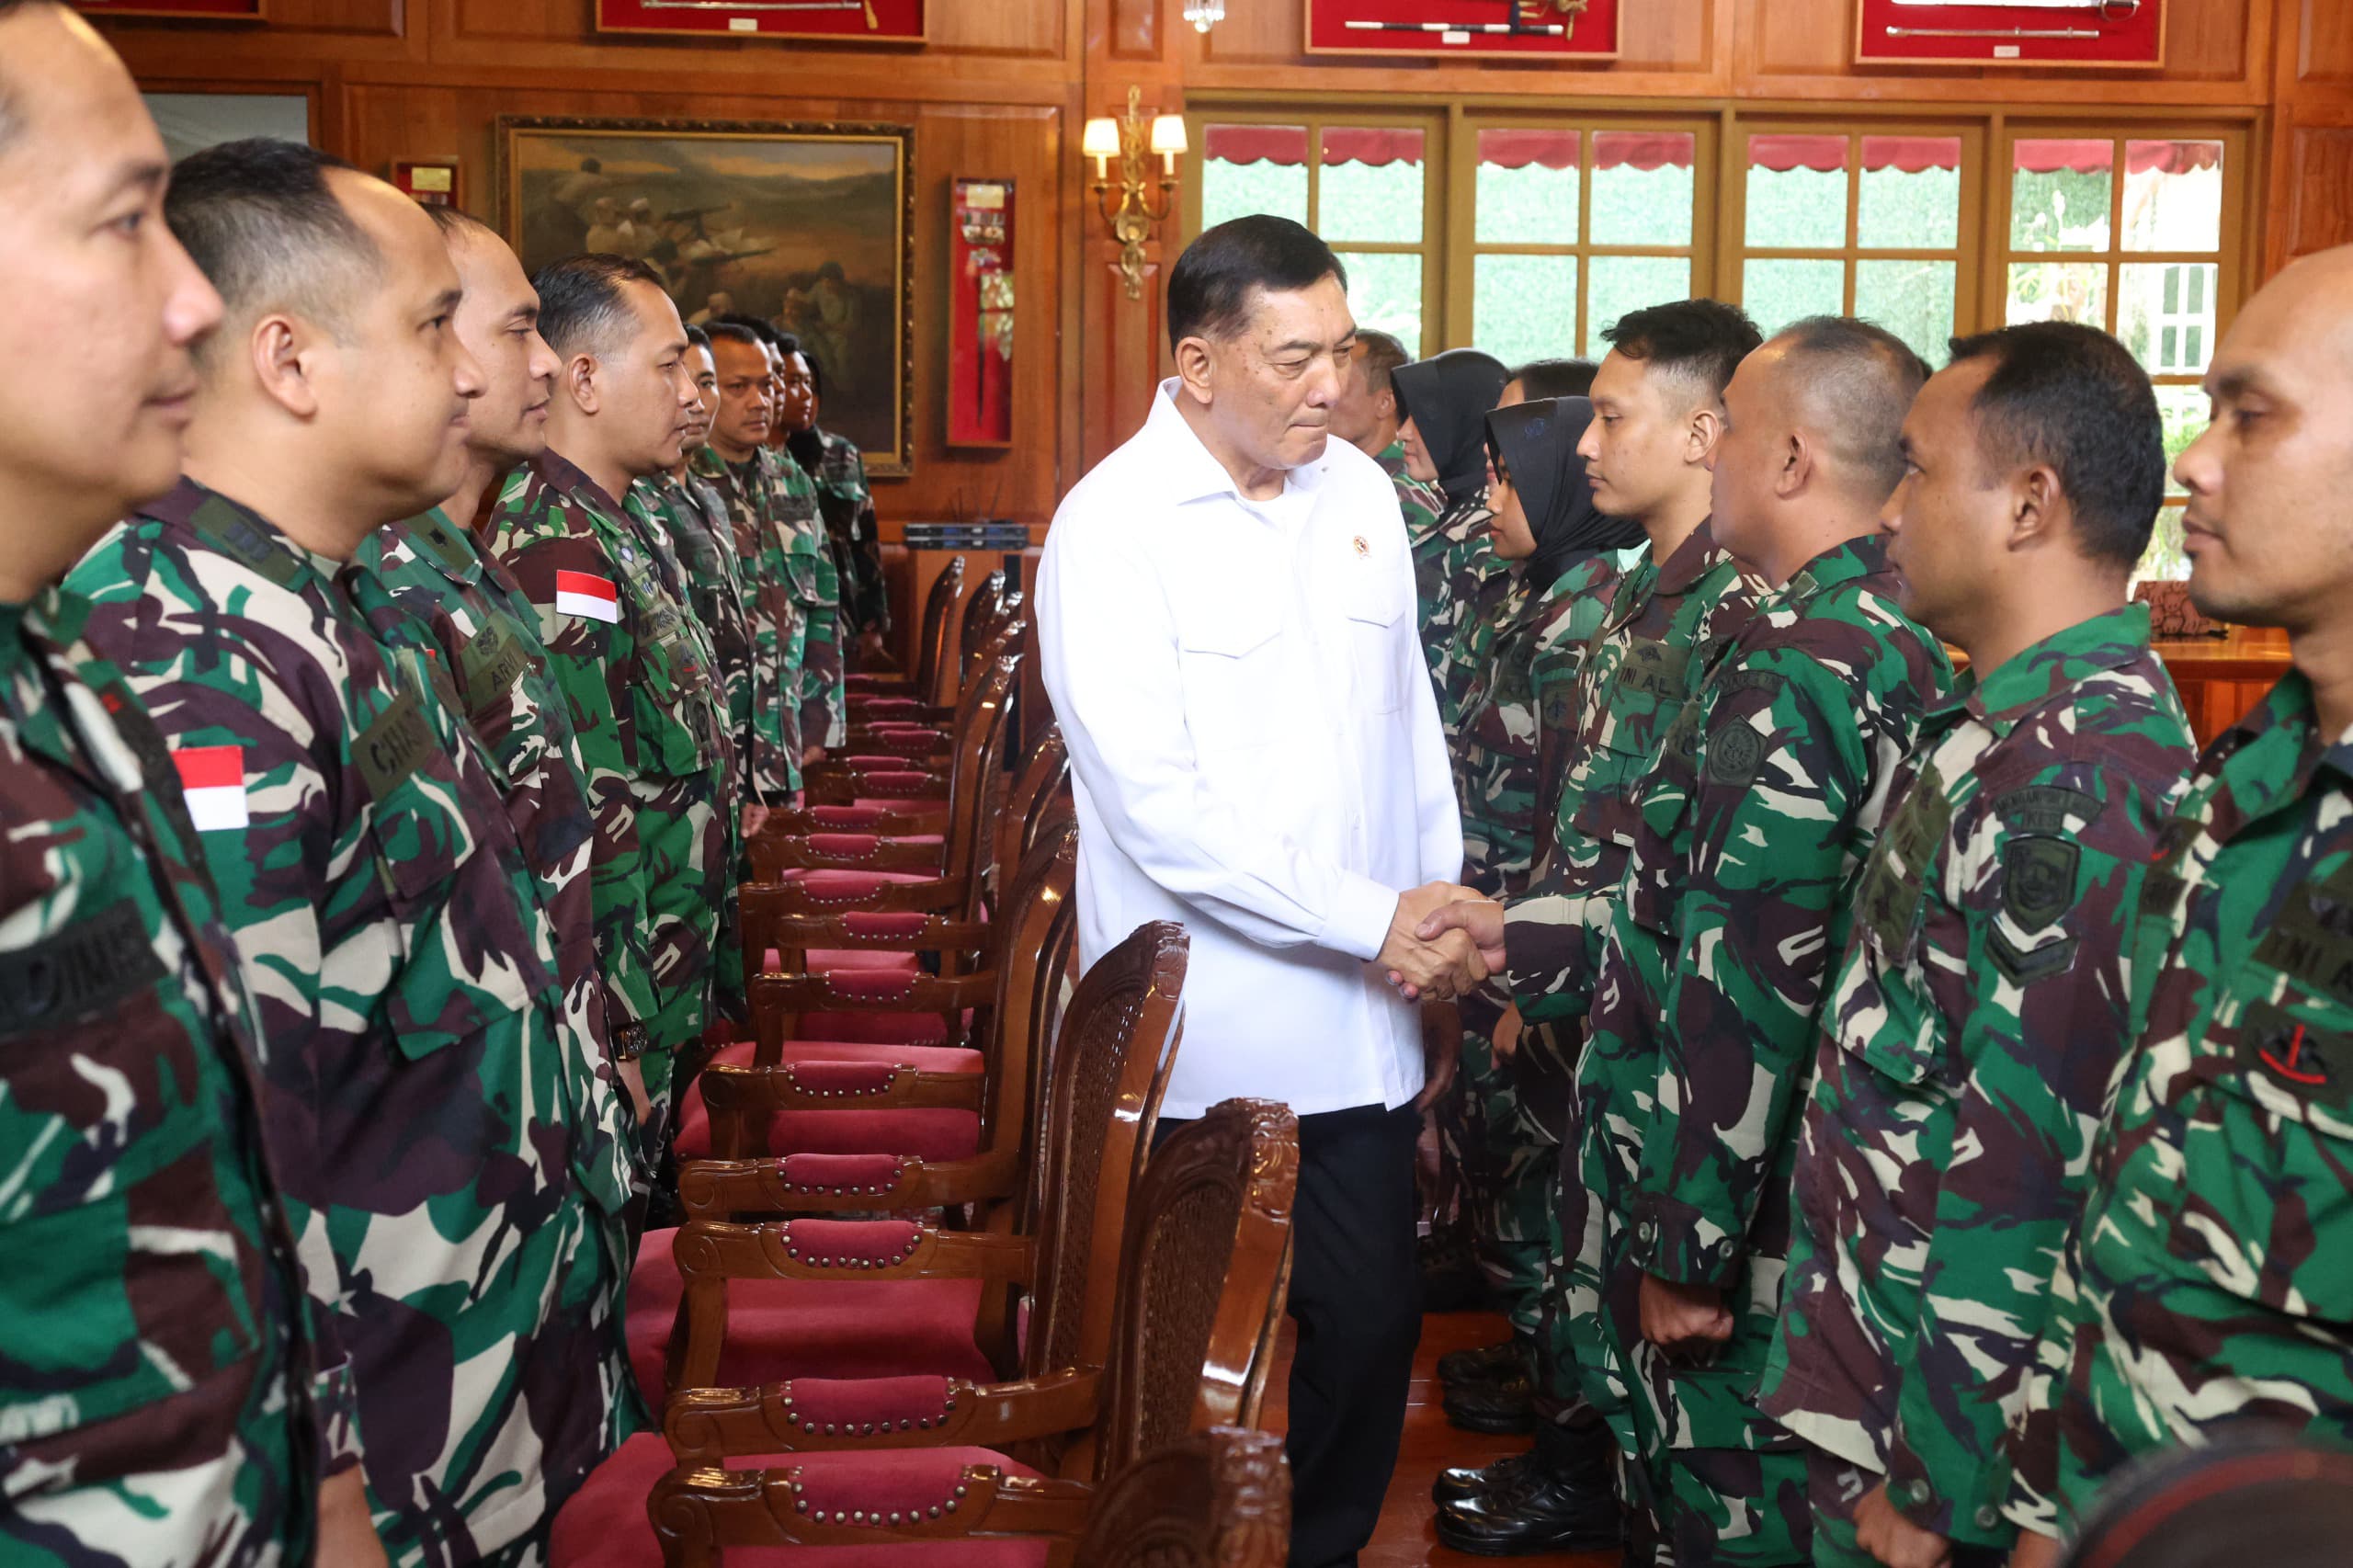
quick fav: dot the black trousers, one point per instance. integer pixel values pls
(1356, 1295)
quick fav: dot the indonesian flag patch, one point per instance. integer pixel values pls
(586, 594)
(212, 779)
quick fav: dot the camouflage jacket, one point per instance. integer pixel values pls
(636, 679)
(1533, 655)
(1438, 556)
(426, 585)
(817, 590)
(1968, 1041)
(1478, 598)
(695, 520)
(154, 1358)
(1755, 824)
(773, 619)
(417, 1097)
(1664, 625)
(2210, 1277)
(856, 536)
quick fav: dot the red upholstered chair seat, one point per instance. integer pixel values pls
(604, 1524)
(928, 1134)
(809, 1328)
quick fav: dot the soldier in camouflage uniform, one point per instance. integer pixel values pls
(635, 669)
(1755, 826)
(1979, 1007)
(1564, 557)
(427, 575)
(1367, 417)
(1443, 400)
(832, 462)
(1662, 387)
(798, 512)
(2204, 1283)
(738, 470)
(429, 1108)
(155, 1346)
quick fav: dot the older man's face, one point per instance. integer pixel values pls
(1274, 381)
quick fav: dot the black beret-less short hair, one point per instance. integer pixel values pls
(2071, 397)
(261, 222)
(1210, 288)
(584, 299)
(1699, 341)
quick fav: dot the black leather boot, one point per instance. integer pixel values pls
(1451, 1279)
(1503, 1403)
(1482, 1480)
(1482, 1364)
(1564, 1501)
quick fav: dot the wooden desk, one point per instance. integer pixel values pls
(2222, 678)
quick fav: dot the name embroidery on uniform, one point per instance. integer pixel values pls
(2047, 808)
(491, 661)
(78, 971)
(394, 746)
(2312, 940)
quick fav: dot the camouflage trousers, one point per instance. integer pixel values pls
(1507, 1167)
(1834, 1486)
(1718, 1509)
(1719, 1482)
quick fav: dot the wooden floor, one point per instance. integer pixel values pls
(1404, 1537)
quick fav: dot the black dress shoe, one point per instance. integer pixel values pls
(1485, 1481)
(1482, 1364)
(1563, 1500)
(1506, 1403)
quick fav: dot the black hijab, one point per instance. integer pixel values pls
(1538, 445)
(1446, 396)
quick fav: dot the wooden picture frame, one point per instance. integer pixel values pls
(808, 224)
(177, 10)
(2095, 39)
(828, 21)
(1410, 29)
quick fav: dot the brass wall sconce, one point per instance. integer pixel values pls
(1133, 140)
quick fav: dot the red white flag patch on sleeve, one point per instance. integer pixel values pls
(212, 779)
(584, 593)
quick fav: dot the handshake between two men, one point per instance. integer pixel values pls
(1443, 941)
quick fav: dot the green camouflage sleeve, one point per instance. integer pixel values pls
(536, 550)
(2046, 875)
(1778, 766)
(824, 704)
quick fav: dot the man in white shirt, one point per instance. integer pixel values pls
(1225, 614)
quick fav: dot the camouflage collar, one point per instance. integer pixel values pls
(236, 531)
(1857, 557)
(1392, 458)
(2268, 760)
(1691, 560)
(437, 539)
(574, 486)
(2052, 669)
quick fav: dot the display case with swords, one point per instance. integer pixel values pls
(1442, 29)
(840, 21)
(2085, 34)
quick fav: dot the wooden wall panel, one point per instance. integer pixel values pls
(384, 122)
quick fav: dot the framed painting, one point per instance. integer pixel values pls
(808, 225)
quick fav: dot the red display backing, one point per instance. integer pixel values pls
(894, 21)
(1593, 34)
(2136, 41)
(208, 10)
(981, 315)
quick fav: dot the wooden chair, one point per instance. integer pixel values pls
(942, 1090)
(1216, 1499)
(1108, 1071)
(923, 685)
(1201, 1283)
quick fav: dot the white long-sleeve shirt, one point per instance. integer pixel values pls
(1256, 754)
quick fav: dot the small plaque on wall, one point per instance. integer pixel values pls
(191, 10)
(840, 21)
(2088, 35)
(1469, 29)
(430, 182)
